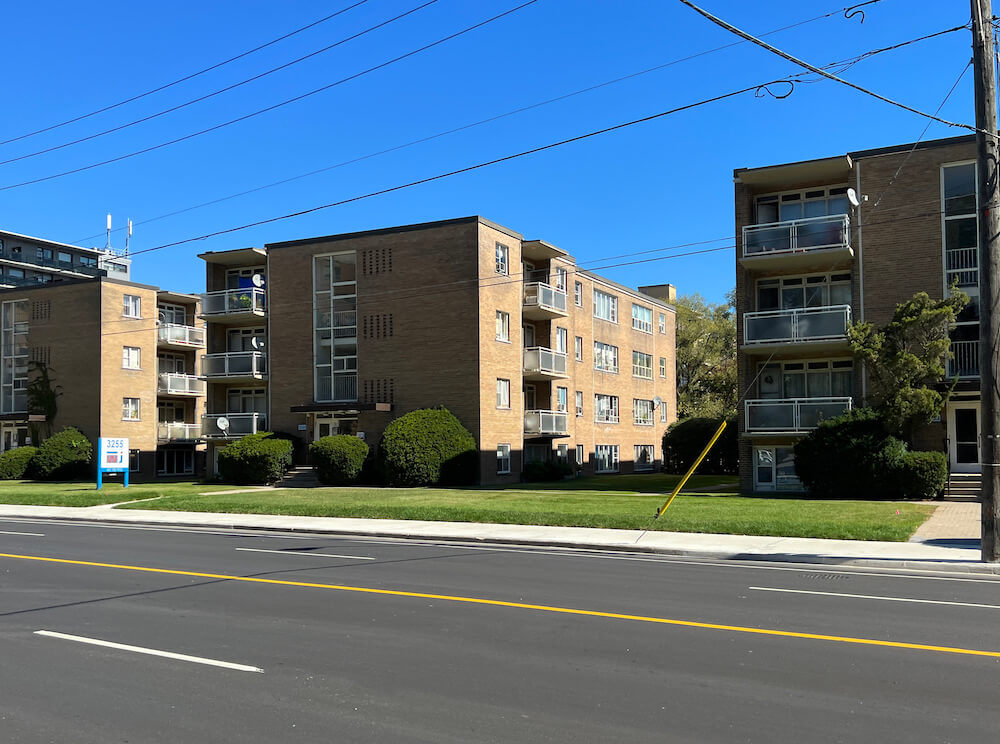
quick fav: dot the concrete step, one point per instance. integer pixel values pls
(301, 476)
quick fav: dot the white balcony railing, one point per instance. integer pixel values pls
(813, 233)
(171, 383)
(800, 324)
(234, 364)
(965, 362)
(539, 360)
(345, 387)
(544, 297)
(546, 423)
(171, 430)
(181, 335)
(236, 424)
(793, 414)
(244, 301)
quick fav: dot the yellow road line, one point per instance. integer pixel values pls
(523, 606)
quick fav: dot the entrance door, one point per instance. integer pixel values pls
(763, 469)
(963, 437)
(529, 336)
(529, 397)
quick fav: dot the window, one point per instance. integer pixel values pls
(133, 461)
(817, 290)
(174, 462)
(663, 366)
(663, 323)
(802, 204)
(642, 412)
(562, 338)
(130, 357)
(503, 393)
(826, 379)
(642, 318)
(578, 293)
(130, 409)
(65, 259)
(605, 357)
(580, 455)
(578, 348)
(43, 254)
(131, 306)
(663, 412)
(961, 230)
(502, 259)
(88, 261)
(503, 326)
(503, 459)
(579, 402)
(562, 399)
(605, 306)
(606, 409)
(562, 454)
(606, 456)
(561, 282)
(643, 460)
(14, 356)
(335, 327)
(642, 365)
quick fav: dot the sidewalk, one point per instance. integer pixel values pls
(940, 554)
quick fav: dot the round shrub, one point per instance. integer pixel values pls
(428, 447)
(255, 459)
(14, 463)
(66, 455)
(684, 441)
(922, 475)
(338, 459)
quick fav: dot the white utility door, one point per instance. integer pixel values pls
(963, 437)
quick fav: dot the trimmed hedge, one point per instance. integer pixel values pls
(14, 463)
(923, 475)
(66, 455)
(255, 459)
(684, 440)
(338, 459)
(428, 447)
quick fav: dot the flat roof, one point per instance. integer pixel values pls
(235, 257)
(166, 294)
(81, 280)
(627, 290)
(398, 229)
(50, 242)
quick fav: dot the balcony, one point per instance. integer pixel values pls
(234, 305)
(815, 242)
(546, 423)
(174, 431)
(965, 360)
(171, 383)
(542, 302)
(342, 387)
(232, 425)
(792, 415)
(818, 329)
(173, 336)
(234, 366)
(543, 364)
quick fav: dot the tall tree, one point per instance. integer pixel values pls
(706, 357)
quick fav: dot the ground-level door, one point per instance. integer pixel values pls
(13, 435)
(774, 469)
(963, 436)
(326, 426)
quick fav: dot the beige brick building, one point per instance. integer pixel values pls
(539, 359)
(809, 261)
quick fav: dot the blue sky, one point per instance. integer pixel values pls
(652, 186)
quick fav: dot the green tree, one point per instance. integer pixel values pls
(706, 357)
(905, 357)
(43, 397)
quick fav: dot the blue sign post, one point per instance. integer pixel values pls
(112, 457)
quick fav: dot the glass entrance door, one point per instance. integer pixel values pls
(963, 437)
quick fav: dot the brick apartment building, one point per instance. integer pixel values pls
(539, 359)
(809, 262)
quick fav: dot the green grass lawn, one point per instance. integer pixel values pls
(639, 483)
(80, 493)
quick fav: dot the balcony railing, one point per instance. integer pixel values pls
(171, 383)
(541, 361)
(793, 414)
(172, 430)
(234, 364)
(544, 297)
(546, 423)
(800, 324)
(965, 362)
(181, 335)
(245, 301)
(813, 233)
(236, 424)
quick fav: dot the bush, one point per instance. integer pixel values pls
(66, 455)
(851, 456)
(428, 447)
(684, 441)
(537, 472)
(14, 463)
(254, 459)
(338, 460)
(922, 475)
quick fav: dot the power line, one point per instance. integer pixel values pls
(185, 78)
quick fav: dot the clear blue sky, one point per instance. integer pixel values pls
(658, 184)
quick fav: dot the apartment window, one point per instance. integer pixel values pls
(562, 399)
(579, 402)
(642, 412)
(799, 205)
(961, 231)
(580, 455)
(65, 259)
(578, 293)
(15, 273)
(133, 461)
(562, 340)
(131, 306)
(503, 326)
(14, 356)
(605, 409)
(606, 456)
(562, 454)
(578, 348)
(335, 327)
(88, 261)
(643, 460)
(130, 357)
(605, 357)
(795, 292)
(663, 366)
(663, 323)
(561, 282)
(170, 313)
(823, 379)
(663, 413)
(503, 459)
(43, 254)
(642, 318)
(174, 462)
(246, 400)
(503, 393)
(605, 306)
(130, 409)
(502, 259)
(642, 365)
(246, 278)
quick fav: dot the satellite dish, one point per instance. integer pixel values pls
(223, 423)
(657, 402)
(852, 197)
(258, 280)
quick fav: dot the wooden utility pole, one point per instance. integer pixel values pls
(989, 270)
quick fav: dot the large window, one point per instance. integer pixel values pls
(644, 456)
(642, 365)
(131, 306)
(503, 459)
(503, 326)
(797, 205)
(818, 290)
(14, 356)
(335, 325)
(606, 409)
(605, 306)
(174, 462)
(642, 412)
(605, 357)
(606, 458)
(502, 259)
(642, 318)
(961, 230)
(822, 379)
(503, 393)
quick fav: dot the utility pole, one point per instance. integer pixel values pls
(989, 270)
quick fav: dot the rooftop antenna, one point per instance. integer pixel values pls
(108, 246)
(128, 236)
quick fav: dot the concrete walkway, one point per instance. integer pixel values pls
(941, 554)
(951, 521)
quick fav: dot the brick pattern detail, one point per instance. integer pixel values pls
(376, 326)
(376, 261)
(41, 355)
(379, 390)
(41, 310)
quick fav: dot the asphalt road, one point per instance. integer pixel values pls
(462, 643)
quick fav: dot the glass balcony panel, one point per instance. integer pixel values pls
(543, 423)
(798, 324)
(799, 414)
(181, 335)
(234, 301)
(812, 233)
(234, 364)
(240, 424)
